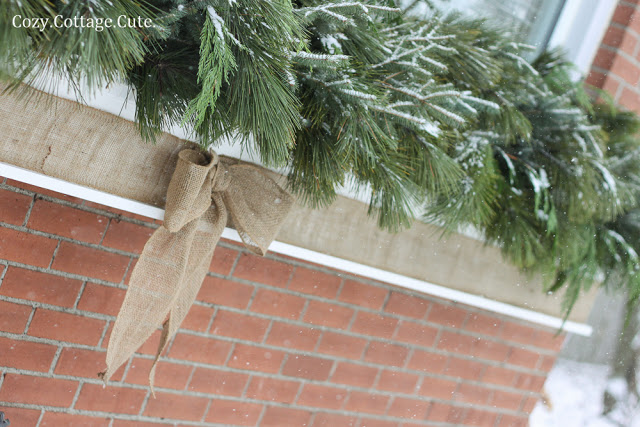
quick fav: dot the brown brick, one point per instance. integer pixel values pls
(127, 236)
(272, 390)
(326, 314)
(447, 315)
(57, 419)
(26, 248)
(437, 388)
(200, 349)
(21, 417)
(315, 283)
(13, 207)
(407, 305)
(463, 368)
(408, 408)
(333, 420)
(13, 317)
(41, 287)
(263, 270)
(222, 261)
(239, 326)
(363, 295)
(278, 304)
(225, 292)
(256, 359)
(228, 412)
(369, 403)
(530, 382)
(399, 382)
(313, 368)
(374, 325)
(342, 345)
(197, 318)
(500, 376)
(319, 396)
(168, 375)
(101, 299)
(90, 262)
(355, 375)
(293, 336)
(165, 405)
(79, 362)
(68, 222)
(93, 397)
(27, 355)
(522, 357)
(416, 333)
(473, 394)
(37, 390)
(477, 417)
(386, 354)
(66, 327)
(278, 417)
(218, 382)
(506, 400)
(427, 362)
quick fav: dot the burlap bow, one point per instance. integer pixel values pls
(176, 258)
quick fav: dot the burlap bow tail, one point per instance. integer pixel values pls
(176, 258)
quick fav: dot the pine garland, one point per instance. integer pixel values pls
(440, 117)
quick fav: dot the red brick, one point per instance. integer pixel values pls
(125, 423)
(333, 420)
(37, 390)
(26, 355)
(408, 408)
(277, 304)
(399, 382)
(90, 262)
(239, 326)
(386, 354)
(623, 14)
(477, 417)
(482, 324)
(319, 396)
(613, 36)
(427, 362)
(79, 362)
(43, 191)
(168, 375)
(490, 350)
(13, 317)
(225, 292)
(456, 414)
(176, 406)
(369, 403)
(263, 270)
(326, 314)
(437, 388)
(66, 327)
(528, 404)
(363, 294)
(628, 71)
(41, 287)
(374, 325)
(549, 340)
(272, 390)
(611, 84)
(313, 368)
(68, 222)
(234, 413)
(416, 333)
(127, 236)
(629, 99)
(342, 345)
(447, 315)
(278, 417)
(93, 397)
(439, 412)
(21, 417)
(119, 212)
(315, 283)
(355, 375)
(13, 207)
(200, 349)
(530, 382)
(293, 336)
(407, 305)
(149, 347)
(466, 369)
(547, 363)
(522, 357)
(506, 400)
(367, 422)
(26, 248)
(101, 299)
(457, 343)
(604, 58)
(222, 261)
(256, 359)
(595, 78)
(513, 421)
(469, 393)
(197, 318)
(218, 382)
(57, 419)
(500, 376)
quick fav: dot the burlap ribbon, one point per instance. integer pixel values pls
(176, 258)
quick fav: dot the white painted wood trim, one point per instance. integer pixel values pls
(86, 193)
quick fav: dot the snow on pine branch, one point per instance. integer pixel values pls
(319, 57)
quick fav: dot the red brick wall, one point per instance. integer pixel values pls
(270, 342)
(616, 67)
